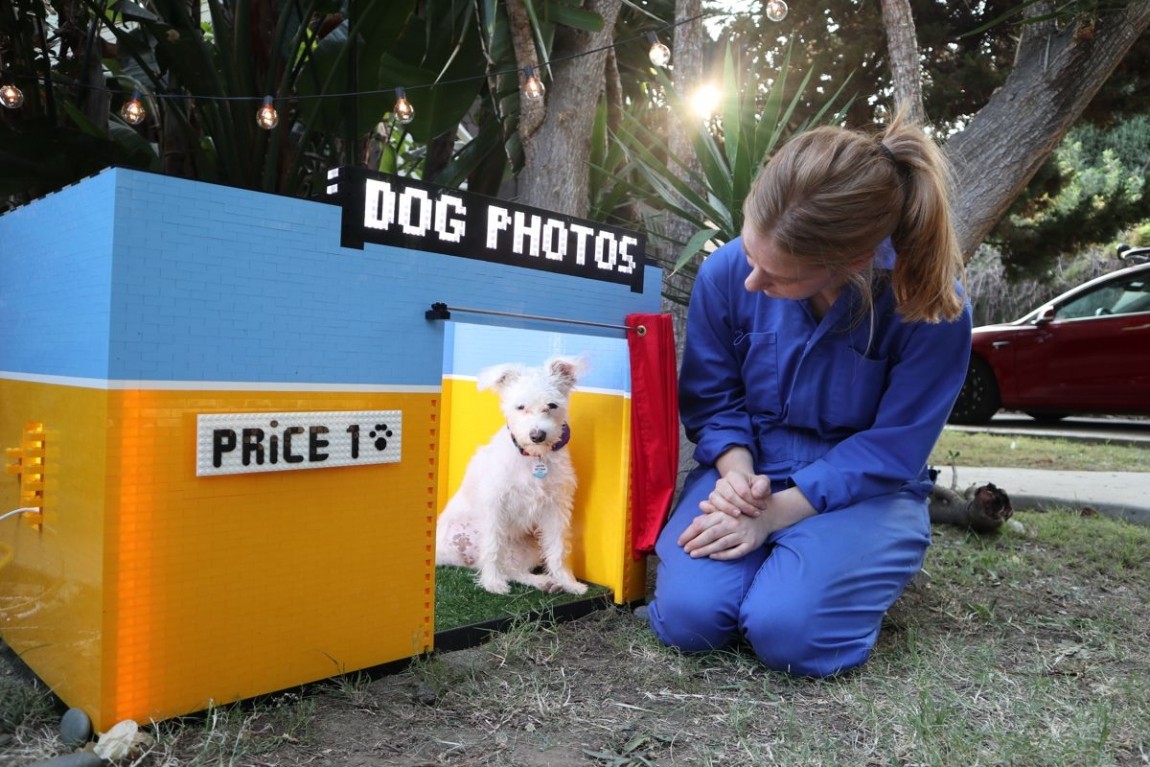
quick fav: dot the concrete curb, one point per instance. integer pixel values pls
(1136, 516)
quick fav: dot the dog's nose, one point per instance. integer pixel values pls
(538, 435)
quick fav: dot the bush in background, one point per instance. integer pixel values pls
(1139, 236)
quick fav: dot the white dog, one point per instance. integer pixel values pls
(513, 510)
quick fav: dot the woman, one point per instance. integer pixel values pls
(818, 371)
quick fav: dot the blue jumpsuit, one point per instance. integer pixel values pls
(848, 409)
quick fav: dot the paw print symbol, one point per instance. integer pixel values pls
(380, 435)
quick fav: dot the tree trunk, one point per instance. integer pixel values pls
(555, 174)
(687, 70)
(902, 44)
(94, 98)
(531, 111)
(1055, 76)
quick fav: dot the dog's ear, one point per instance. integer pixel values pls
(498, 376)
(566, 370)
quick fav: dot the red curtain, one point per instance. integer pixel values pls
(654, 425)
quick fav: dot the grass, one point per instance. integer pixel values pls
(1023, 652)
(459, 601)
(1022, 649)
(23, 700)
(975, 449)
(1025, 648)
(233, 735)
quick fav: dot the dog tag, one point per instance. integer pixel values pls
(539, 469)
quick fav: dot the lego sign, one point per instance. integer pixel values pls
(390, 210)
(249, 443)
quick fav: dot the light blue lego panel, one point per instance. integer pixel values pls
(198, 282)
(469, 348)
(56, 281)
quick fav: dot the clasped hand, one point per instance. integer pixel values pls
(733, 522)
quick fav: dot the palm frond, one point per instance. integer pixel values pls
(756, 118)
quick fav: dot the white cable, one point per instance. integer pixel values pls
(21, 510)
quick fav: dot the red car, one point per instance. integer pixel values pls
(1085, 352)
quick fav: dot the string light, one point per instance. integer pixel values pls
(776, 10)
(266, 116)
(532, 85)
(402, 110)
(659, 54)
(133, 111)
(11, 96)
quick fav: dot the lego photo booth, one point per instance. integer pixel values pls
(231, 419)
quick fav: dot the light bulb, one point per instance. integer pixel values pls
(11, 96)
(402, 110)
(659, 54)
(133, 110)
(776, 10)
(266, 116)
(532, 85)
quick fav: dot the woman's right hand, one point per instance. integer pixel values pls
(738, 493)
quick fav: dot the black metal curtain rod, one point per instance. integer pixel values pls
(441, 311)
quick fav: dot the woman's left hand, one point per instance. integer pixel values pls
(721, 536)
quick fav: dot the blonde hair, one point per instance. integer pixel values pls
(832, 194)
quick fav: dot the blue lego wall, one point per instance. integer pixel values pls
(140, 279)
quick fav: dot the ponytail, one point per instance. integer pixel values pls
(831, 194)
(929, 260)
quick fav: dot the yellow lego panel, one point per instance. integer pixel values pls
(52, 580)
(152, 592)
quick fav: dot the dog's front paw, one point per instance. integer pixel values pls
(570, 585)
(495, 585)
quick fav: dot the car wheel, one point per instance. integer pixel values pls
(979, 399)
(1047, 417)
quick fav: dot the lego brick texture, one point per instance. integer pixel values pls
(56, 281)
(131, 304)
(165, 279)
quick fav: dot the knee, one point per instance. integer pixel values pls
(796, 643)
(690, 625)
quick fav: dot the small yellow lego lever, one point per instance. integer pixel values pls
(27, 462)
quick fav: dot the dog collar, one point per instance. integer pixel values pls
(564, 438)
